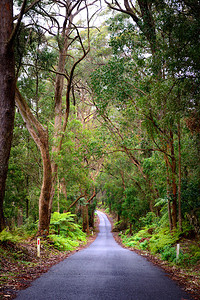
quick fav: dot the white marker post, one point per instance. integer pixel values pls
(177, 251)
(38, 247)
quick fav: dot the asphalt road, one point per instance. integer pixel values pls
(104, 271)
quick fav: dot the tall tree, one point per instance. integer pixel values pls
(7, 90)
(68, 37)
(7, 95)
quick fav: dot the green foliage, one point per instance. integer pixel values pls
(131, 243)
(144, 233)
(163, 238)
(107, 211)
(138, 240)
(17, 234)
(69, 234)
(63, 243)
(7, 236)
(128, 122)
(149, 219)
(168, 253)
(143, 245)
(163, 204)
(190, 195)
(162, 241)
(29, 228)
(192, 255)
(65, 225)
(186, 258)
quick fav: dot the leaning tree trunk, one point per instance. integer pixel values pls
(40, 136)
(44, 219)
(7, 95)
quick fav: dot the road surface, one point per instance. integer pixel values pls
(104, 271)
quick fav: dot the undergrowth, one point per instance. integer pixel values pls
(65, 234)
(160, 241)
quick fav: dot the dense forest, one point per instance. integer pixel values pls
(100, 106)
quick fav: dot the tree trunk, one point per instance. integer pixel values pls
(44, 220)
(27, 200)
(91, 222)
(83, 216)
(174, 185)
(130, 228)
(20, 217)
(73, 203)
(7, 95)
(168, 199)
(63, 188)
(59, 85)
(179, 177)
(87, 220)
(40, 136)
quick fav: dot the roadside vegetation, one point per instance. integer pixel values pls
(155, 242)
(19, 262)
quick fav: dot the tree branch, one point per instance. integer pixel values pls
(16, 28)
(73, 203)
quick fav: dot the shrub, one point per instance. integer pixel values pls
(7, 236)
(168, 253)
(28, 228)
(143, 245)
(62, 243)
(149, 219)
(107, 211)
(163, 238)
(65, 225)
(144, 233)
(69, 234)
(131, 244)
(119, 226)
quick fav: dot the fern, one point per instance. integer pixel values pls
(69, 234)
(7, 236)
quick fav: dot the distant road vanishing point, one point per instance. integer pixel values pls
(104, 271)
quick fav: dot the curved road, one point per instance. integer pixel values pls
(104, 271)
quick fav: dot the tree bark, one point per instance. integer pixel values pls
(179, 176)
(168, 198)
(87, 220)
(40, 136)
(63, 188)
(130, 228)
(7, 95)
(84, 218)
(75, 202)
(92, 197)
(174, 185)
